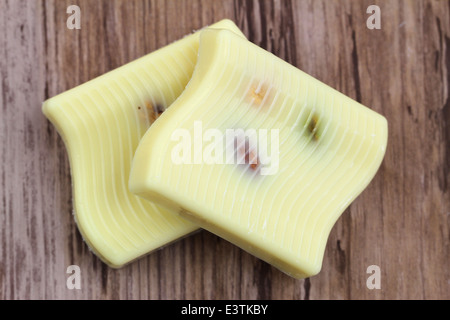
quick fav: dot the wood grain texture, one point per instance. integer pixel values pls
(400, 222)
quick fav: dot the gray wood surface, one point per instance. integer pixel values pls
(400, 222)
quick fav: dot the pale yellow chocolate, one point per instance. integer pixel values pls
(330, 148)
(101, 123)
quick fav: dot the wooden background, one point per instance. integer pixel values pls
(400, 222)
